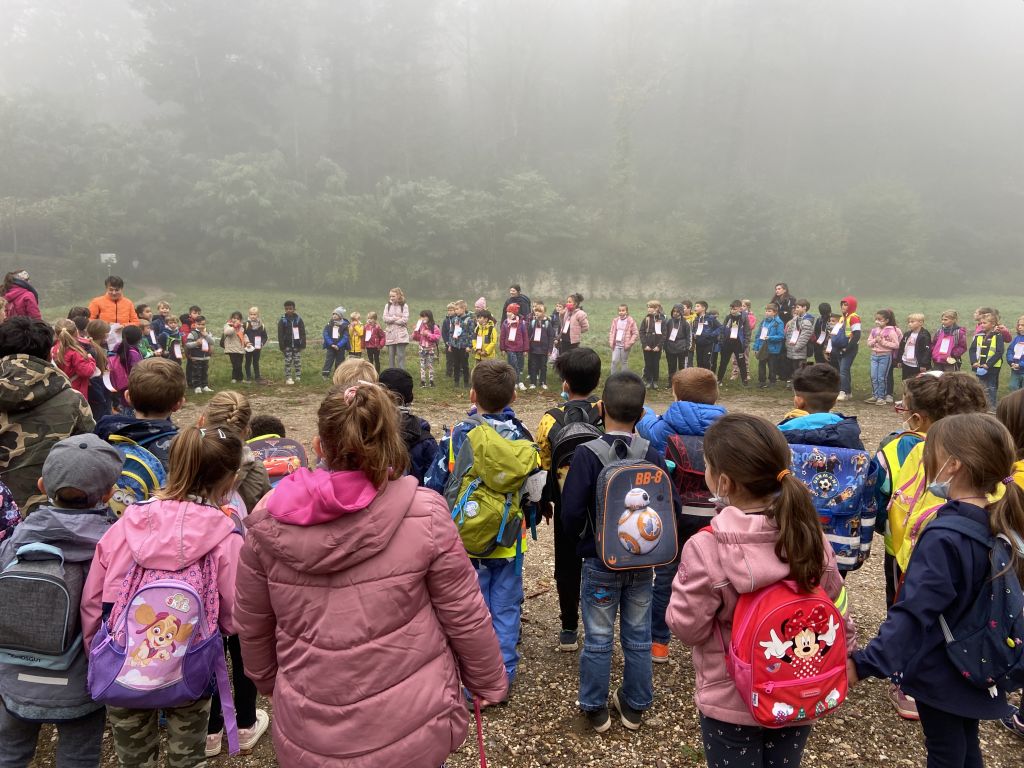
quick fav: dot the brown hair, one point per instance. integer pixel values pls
(201, 459)
(753, 453)
(358, 429)
(67, 338)
(1010, 412)
(695, 385)
(987, 452)
(400, 294)
(818, 385)
(352, 370)
(494, 382)
(97, 331)
(229, 409)
(156, 385)
(936, 397)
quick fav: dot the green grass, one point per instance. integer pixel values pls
(315, 308)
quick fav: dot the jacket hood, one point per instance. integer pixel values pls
(827, 430)
(413, 428)
(75, 531)
(687, 418)
(170, 535)
(27, 381)
(328, 521)
(851, 304)
(135, 429)
(19, 287)
(746, 546)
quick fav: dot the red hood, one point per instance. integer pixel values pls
(851, 304)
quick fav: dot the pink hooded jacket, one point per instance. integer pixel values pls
(715, 569)
(167, 536)
(360, 611)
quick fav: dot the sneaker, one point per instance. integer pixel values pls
(234, 381)
(214, 743)
(882, 403)
(599, 719)
(872, 400)
(423, 385)
(533, 386)
(904, 705)
(207, 389)
(568, 640)
(843, 396)
(631, 718)
(199, 390)
(543, 386)
(522, 387)
(1013, 723)
(659, 653)
(289, 381)
(247, 737)
(431, 382)
(888, 400)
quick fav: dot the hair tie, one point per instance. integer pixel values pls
(350, 393)
(1008, 480)
(997, 494)
(782, 475)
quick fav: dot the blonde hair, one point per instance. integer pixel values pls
(461, 304)
(952, 314)
(200, 461)
(915, 316)
(161, 304)
(371, 316)
(355, 316)
(654, 304)
(1020, 320)
(254, 311)
(353, 370)
(229, 409)
(358, 429)
(67, 338)
(401, 295)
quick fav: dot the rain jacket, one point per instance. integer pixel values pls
(23, 301)
(827, 430)
(359, 611)
(852, 321)
(681, 418)
(77, 367)
(155, 435)
(38, 407)
(775, 338)
(486, 340)
(395, 319)
(736, 557)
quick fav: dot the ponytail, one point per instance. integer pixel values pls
(800, 536)
(200, 459)
(1006, 518)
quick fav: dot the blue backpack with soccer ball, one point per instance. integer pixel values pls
(635, 525)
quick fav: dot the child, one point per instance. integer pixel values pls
(769, 338)
(145, 342)
(233, 341)
(78, 477)
(485, 340)
(694, 410)
(373, 339)
(1015, 357)
(151, 333)
(574, 323)
(500, 573)
(514, 340)
(969, 462)
(427, 333)
(542, 339)
(171, 341)
(197, 347)
(717, 348)
(677, 341)
(291, 339)
(99, 396)
(705, 334)
(231, 412)
(733, 338)
(799, 338)
(822, 328)
(256, 339)
(883, 341)
(606, 592)
(811, 422)
(580, 371)
(766, 530)
(848, 353)
(355, 334)
(353, 371)
(915, 353)
(949, 344)
(123, 359)
(336, 335)
(74, 360)
(987, 355)
(652, 339)
(621, 337)
(690, 316)
(447, 326)
(159, 323)
(420, 444)
(174, 532)
(266, 425)
(458, 347)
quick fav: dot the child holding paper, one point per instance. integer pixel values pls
(427, 333)
(949, 343)
(373, 339)
(355, 335)
(514, 341)
(621, 337)
(256, 340)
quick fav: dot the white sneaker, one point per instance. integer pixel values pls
(289, 381)
(199, 390)
(522, 387)
(543, 386)
(213, 743)
(842, 396)
(533, 386)
(248, 737)
(234, 381)
(207, 389)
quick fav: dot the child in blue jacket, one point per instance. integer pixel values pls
(769, 340)
(1015, 357)
(335, 342)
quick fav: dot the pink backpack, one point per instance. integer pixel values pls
(787, 655)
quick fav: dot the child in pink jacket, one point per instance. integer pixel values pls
(762, 506)
(621, 337)
(169, 533)
(427, 333)
(884, 343)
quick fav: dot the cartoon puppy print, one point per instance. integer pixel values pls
(162, 632)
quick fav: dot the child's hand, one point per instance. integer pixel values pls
(851, 672)
(647, 349)
(951, 360)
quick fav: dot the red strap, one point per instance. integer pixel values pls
(479, 732)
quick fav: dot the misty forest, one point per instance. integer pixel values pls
(713, 144)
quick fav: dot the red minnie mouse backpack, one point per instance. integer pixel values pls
(787, 655)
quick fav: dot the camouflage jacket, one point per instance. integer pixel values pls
(38, 407)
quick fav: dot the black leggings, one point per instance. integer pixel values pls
(729, 352)
(652, 364)
(676, 362)
(373, 355)
(236, 365)
(252, 364)
(750, 746)
(461, 368)
(245, 692)
(568, 575)
(951, 740)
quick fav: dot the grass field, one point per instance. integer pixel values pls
(315, 309)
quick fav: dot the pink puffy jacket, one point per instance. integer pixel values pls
(359, 611)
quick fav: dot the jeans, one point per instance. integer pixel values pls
(538, 365)
(880, 365)
(396, 355)
(750, 746)
(652, 364)
(660, 595)
(515, 359)
(676, 362)
(245, 692)
(951, 740)
(620, 359)
(845, 368)
(501, 583)
(79, 742)
(990, 381)
(252, 364)
(1016, 380)
(604, 594)
(333, 357)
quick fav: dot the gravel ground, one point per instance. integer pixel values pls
(542, 726)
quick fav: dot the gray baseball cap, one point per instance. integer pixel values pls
(84, 462)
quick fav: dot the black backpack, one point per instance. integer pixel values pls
(576, 423)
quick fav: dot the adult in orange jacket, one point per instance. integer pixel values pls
(113, 307)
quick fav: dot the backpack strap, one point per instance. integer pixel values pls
(607, 452)
(153, 438)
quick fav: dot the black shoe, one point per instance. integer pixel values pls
(762, 385)
(568, 640)
(599, 719)
(631, 718)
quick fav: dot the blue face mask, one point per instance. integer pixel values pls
(938, 489)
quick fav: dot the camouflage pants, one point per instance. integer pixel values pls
(137, 737)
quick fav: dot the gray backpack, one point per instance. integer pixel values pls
(40, 595)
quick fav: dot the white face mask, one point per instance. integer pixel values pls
(720, 501)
